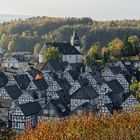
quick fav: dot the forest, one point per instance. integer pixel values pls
(23, 35)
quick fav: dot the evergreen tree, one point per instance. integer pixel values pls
(125, 48)
(84, 43)
(104, 56)
(134, 42)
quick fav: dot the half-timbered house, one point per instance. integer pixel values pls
(23, 115)
(55, 109)
(83, 95)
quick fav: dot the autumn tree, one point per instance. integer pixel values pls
(52, 53)
(10, 46)
(7, 134)
(93, 54)
(122, 126)
(134, 42)
(115, 47)
(136, 87)
(3, 41)
(7, 54)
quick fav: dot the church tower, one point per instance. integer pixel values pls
(75, 41)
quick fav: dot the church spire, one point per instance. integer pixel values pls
(75, 36)
(75, 41)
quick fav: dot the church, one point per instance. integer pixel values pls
(70, 51)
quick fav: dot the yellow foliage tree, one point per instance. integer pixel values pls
(10, 45)
(136, 87)
(93, 54)
(124, 126)
(115, 47)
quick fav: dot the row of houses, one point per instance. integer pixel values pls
(60, 89)
(31, 92)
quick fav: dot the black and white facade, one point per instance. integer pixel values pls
(59, 90)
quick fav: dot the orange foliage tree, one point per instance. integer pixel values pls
(125, 126)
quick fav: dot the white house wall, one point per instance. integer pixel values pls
(72, 58)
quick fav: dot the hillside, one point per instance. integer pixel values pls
(24, 34)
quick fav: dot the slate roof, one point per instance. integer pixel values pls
(95, 68)
(127, 95)
(115, 98)
(64, 84)
(53, 75)
(98, 77)
(124, 62)
(60, 107)
(74, 74)
(22, 80)
(41, 84)
(83, 81)
(113, 107)
(31, 108)
(86, 92)
(78, 67)
(75, 36)
(13, 91)
(115, 70)
(65, 48)
(55, 66)
(85, 107)
(34, 94)
(127, 76)
(115, 86)
(3, 79)
(64, 95)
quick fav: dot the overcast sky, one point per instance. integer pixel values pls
(96, 9)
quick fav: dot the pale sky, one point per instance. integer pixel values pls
(96, 9)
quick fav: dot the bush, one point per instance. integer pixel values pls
(7, 134)
(125, 126)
